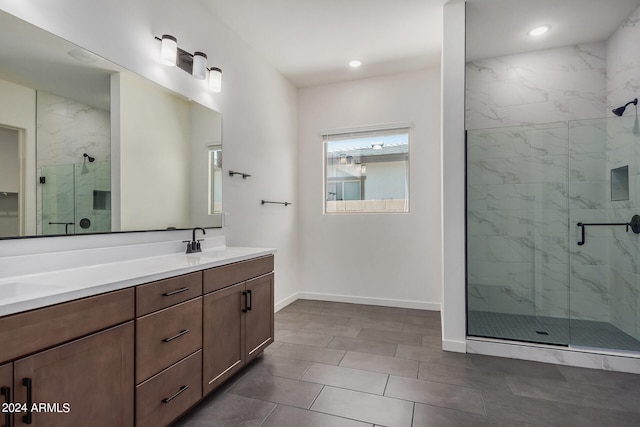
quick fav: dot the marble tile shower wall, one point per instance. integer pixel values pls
(623, 84)
(554, 85)
(65, 130)
(517, 220)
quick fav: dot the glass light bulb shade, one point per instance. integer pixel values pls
(215, 79)
(199, 70)
(169, 50)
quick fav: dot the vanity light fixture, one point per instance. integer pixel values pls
(169, 50)
(538, 31)
(193, 63)
(199, 65)
(215, 79)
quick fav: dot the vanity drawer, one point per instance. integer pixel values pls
(164, 337)
(227, 275)
(170, 393)
(25, 333)
(165, 293)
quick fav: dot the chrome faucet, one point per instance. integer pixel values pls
(194, 245)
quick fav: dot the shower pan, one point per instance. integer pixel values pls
(552, 243)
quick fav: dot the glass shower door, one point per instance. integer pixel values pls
(517, 234)
(76, 198)
(603, 196)
(58, 199)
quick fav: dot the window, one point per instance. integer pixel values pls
(367, 171)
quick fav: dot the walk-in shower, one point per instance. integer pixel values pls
(538, 268)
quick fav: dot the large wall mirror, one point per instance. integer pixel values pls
(87, 146)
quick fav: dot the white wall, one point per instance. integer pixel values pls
(18, 111)
(258, 107)
(389, 259)
(155, 155)
(453, 180)
(9, 160)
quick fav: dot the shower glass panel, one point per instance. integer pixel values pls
(604, 270)
(517, 233)
(550, 257)
(76, 198)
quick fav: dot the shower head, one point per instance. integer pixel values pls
(620, 110)
(88, 157)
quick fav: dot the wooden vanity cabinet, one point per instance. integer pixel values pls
(88, 382)
(237, 318)
(79, 353)
(6, 392)
(168, 348)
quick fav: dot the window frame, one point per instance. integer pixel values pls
(400, 128)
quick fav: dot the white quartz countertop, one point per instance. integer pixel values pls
(27, 292)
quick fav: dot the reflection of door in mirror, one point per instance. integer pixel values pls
(9, 182)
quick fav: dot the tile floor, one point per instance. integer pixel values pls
(349, 365)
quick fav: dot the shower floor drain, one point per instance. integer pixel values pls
(542, 332)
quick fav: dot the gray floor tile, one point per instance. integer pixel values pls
(289, 324)
(394, 337)
(272, 347)
(545, 412)
(364, 407)
(431, 330)
(434, 341)
(304, 338)
(456, 375)
(325, 319)
(228, 410)
(353, 344)
(423, 354)
(382, 364)
(545, 394)
(287, 416)
(445, 395)
(287, 315)
(277, 390)
(352, 379)
(434, 416)
(383, 325)
(600, 377)
(309, 353)
(335, 330)
(563, 391)
(278, 366)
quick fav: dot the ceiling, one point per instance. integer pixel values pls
(311, 41)
(499, 27)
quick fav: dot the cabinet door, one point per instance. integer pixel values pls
(6, 384)
(93, 375)
(259, 317)
(222, 335)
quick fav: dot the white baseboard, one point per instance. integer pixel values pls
(285, 302)
(454, 346)
(420, 305)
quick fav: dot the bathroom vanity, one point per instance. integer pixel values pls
(136, 351)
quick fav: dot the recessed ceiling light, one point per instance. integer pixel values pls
(538, 31)
(355, 63)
